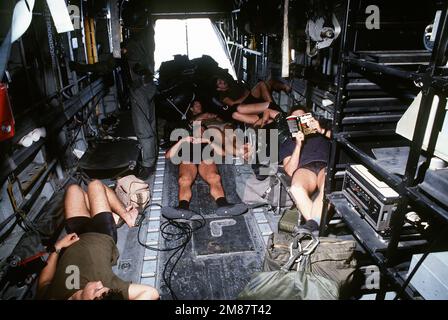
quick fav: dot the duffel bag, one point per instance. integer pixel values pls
(333, 258)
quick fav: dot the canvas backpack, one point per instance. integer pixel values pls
(133, 191)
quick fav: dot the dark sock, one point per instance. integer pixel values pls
(184, 204)
(311, 225)
(222, 202)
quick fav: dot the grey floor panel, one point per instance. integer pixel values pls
(212, 268)
(130, 263)
(131, 255)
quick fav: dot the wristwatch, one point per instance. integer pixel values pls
(52, 249)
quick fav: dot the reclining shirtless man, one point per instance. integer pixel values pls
(254, 107)
(189, 168)
(80, 264)
(213, 122)
(207, 119)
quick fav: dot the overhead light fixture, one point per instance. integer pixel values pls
(60, 15)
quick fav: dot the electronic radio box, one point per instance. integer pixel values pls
(373, 199)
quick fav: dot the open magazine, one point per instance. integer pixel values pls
(301, 123)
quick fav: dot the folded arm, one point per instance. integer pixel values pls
(175, 149)
(292, 163)
(47, 274)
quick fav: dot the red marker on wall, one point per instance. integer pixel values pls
(6, 117)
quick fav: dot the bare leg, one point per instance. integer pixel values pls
(245, 118)
(209, 172)
(75, 203)
(253, 108)
(275, 85)
(304, 182)
(187, 175)
(103, 200)
(249, 113)
(261, 91)
(273, 113)
(119, 210)
(97, 198)
(318, 203)
(267, 118)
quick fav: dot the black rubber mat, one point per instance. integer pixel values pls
(212, 267)
(201, 201)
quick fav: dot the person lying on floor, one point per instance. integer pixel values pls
(254, 107)
(305, 160)
(214, 123)
(80, 264)
(207, 119)
(197, 113)
(190, 165)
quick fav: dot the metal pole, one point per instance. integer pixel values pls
(336, 127)
(186, 37)
(115, 36)
(83, 32)
(92, 53)
(437, 58)
(428, 92)
(265, 57)
(439, 119)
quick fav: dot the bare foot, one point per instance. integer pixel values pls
(265, 118)
(258, 123)
(130, 216)
(262, 121)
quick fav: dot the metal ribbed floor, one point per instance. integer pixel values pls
(212, 267)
